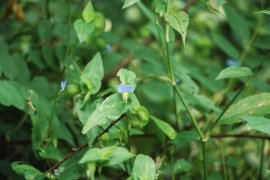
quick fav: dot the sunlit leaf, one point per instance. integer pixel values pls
(144, 168)
(164, 127)
(84, 30)
(88, 12)
(234, 72)
(258, 123)
(129, 3)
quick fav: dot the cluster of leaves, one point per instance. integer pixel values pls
(131, 90)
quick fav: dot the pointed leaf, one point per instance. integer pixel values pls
(267, 12)
(28, 171)
(93, 74)
(84, 30)
(129, 3)
(88, 12)
(234, 72)
(164, 127)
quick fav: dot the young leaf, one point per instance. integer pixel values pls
(93, 74)
(253, 105)
(129, 3)
(127, 77)
(97, 154)
(164, 127)
(28, 171)
(234, 72)
(144, 168)
(258, 123)
(84, 30)
(237, 23)
(179, 21)
(111, 109)
(88, 12)
(119, 155)
(225, 46)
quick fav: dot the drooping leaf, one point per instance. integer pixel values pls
(164, 127)
(28, 171)
(237, 22)
(226, 46)
(253, 105)
(234, 72)
(88, 12)
(129, 3)
(93, 74)
(179, 21)
(110, 109)
(258, 123)
(84, 30)
(144, 168)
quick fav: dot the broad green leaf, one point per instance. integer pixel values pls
(234, 72)
(258, 123)
(93, 74)
(144, 168)
(253, 105)
(88, 12)
(141, 117)
(181, 166)
(84, 30)
(97, 154)
(119, 155)
(237, 22)
(185, 137)
(127, 77)
(51, 153)
(164, 127)
(12, 93)
(28, 171)
(226, 46)
(129, 3)
(267, 12)
(110, 109)
(179, 21)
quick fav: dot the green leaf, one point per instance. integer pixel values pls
(237, 23)
(144, 168)
(119, 155)
(234, 72)
(97, 154)
(258, 123)
(127, 77)
(28, 171)
(12, 93)
(185, 137)
(181, 166)
(88, 12)
(129, 3)
(253, 105)
(110, 109)
(51, 153)
(93, 74)
(179, 21)
(164, 127)
(225, 46)
(84, 30)
(267, 12)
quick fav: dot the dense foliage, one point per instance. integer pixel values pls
(134, 89)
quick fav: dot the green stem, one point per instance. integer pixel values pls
(223, 162)
(195, 123)
(261, 161)
(204, 161)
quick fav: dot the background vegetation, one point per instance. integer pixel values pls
(149, 89)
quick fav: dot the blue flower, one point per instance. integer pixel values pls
(125, 88)
(232, 62)
(108, 47)
(63, 85)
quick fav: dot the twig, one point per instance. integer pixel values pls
(221, 136)
(75, 150)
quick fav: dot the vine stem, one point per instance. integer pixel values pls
(204, 161)
(76, 150)
(260, 177)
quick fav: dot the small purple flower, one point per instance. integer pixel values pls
(232, 62)
(108, 47)
(63, 85)
(125, 88)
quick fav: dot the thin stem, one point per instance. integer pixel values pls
(75, 150)
(204, 161)
(195, 123)
(223, 162)
(222, 136)
(261, 161)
